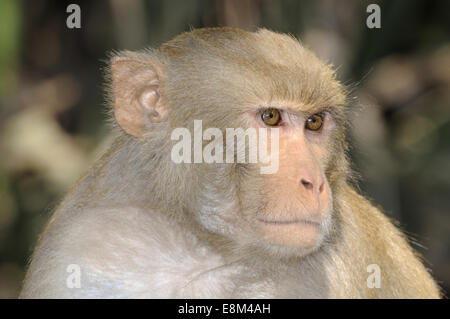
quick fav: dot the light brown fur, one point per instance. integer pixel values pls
(140, 225)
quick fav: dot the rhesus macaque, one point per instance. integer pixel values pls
(141, 225)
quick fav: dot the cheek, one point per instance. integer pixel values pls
(301, 215)
(282, 188)
(319, 151)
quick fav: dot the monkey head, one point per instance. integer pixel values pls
(229, 78)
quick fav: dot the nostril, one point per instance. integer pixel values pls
(321, 187)
(306, 184)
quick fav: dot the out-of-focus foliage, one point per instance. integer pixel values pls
(53, 115)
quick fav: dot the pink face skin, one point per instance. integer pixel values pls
(298, 199)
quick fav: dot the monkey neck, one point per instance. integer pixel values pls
(129, 174)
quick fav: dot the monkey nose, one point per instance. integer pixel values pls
(309, 185)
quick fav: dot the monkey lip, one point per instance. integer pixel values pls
(289, 222)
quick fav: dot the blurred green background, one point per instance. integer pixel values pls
(53, 119)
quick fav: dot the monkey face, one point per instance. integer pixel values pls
(290, 209)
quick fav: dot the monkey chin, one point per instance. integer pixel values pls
(292, 239)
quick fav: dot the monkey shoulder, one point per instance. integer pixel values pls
(382, 244)
(122, 252)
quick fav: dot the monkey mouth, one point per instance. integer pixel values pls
(289, 222)
(294, 232)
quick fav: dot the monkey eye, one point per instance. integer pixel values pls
(314, 122)
(271, 116)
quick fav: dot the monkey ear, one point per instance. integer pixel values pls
(136, 99)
